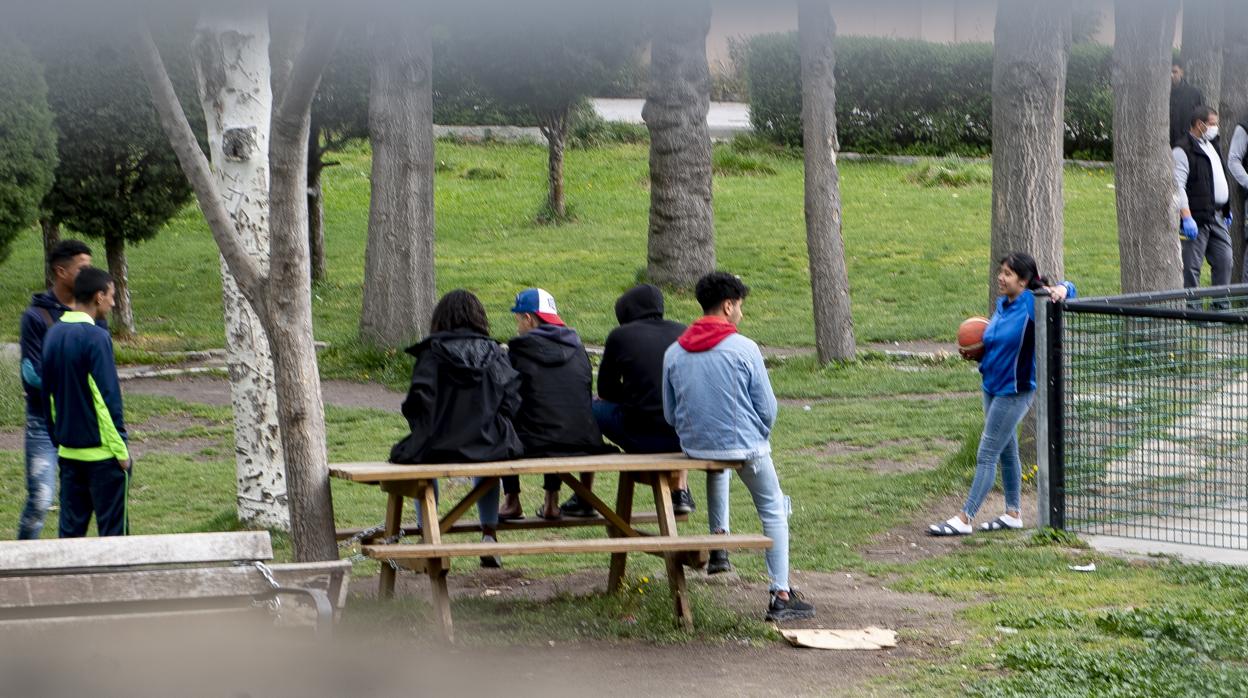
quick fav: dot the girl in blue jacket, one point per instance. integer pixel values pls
(1009, 374)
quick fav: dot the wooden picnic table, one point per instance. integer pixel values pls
(431, 555)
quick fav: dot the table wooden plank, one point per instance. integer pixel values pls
(616, 462)
(623, 507)
(130, 551)
(675, 572)
(657, 544)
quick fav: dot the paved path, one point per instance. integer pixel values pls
(724, 118)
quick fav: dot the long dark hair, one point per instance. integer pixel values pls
(459, 310)
(1024, 265)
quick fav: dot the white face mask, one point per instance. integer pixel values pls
(1211, 132)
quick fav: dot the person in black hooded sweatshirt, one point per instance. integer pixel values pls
(629, 410)
(556, 416)
(462, 400)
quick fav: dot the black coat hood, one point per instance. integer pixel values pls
(465, 356)
(547, 345)
(643, 302)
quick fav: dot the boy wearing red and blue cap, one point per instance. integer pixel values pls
(556, 416)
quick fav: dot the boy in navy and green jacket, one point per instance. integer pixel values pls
(85, 412)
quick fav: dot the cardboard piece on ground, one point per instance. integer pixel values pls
(842, 639)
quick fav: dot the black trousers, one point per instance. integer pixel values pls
(550, 483)
(98, 487)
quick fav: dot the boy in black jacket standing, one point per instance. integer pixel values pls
(556, 416)
(630, 388)
(85, 412)
(65, 260)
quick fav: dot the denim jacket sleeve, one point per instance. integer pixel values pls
(760, 389)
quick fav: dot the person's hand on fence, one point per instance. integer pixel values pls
(1189, 229)
(1058, 293)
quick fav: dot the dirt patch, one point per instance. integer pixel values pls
(215, 390)
(910, 542)
(13, 440)
(932, 453)
(926, 624)
(168, 434)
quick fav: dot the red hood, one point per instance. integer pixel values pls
(705, 333)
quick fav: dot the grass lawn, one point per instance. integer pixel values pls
(917, 255)
(917, 260)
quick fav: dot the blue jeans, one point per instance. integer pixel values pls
(487, 506)
(1002, 413)
(759, 476)
(40, 478)
(610, 418)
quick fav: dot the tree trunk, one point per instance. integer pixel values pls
(123, 316)
(232, 65)
(288, 323)
(1148, 235)
(316, 206)
(399, 289)
(1202, 47)
(281, 294)
(51, 236)
(1234, 110)
(1031, 47)
(681, 245)
(555, 128)
(829, 279)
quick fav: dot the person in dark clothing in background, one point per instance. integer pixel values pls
(630, 387)
(463, 396)
(1184, 97)
(556, 416)
(65, 260)
(1204, 201)
(84, 412)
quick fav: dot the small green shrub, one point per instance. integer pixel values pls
(951, 172)
(444, 166)
(589, 130)
(727, 162)
(1221, 634)
(483, 173)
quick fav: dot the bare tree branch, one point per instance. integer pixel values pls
(305, 74)
(198, 171)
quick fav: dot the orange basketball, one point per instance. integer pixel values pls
(971, 338)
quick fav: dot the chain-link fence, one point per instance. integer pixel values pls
(1144, 416)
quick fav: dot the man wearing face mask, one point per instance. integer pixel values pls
(1203, 197)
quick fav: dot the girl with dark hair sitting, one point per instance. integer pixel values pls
(1008, 367)
(462, 399)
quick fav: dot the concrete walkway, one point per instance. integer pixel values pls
(724, 119)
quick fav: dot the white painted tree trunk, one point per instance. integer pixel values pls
(231, 50)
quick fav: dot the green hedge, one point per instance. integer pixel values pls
(915, 97)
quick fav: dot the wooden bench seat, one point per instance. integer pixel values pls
(62, 581)
(647, 544)
(526, 524)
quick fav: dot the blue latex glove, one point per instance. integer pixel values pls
(1228, 221)
(1189, 229)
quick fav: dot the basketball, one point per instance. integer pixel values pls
(971, 338)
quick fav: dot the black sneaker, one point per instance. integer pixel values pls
(791, 609)
(492, 562)
(576, 508)
(718, 562)
(682, 502)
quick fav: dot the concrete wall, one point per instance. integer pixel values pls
(944, 21)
